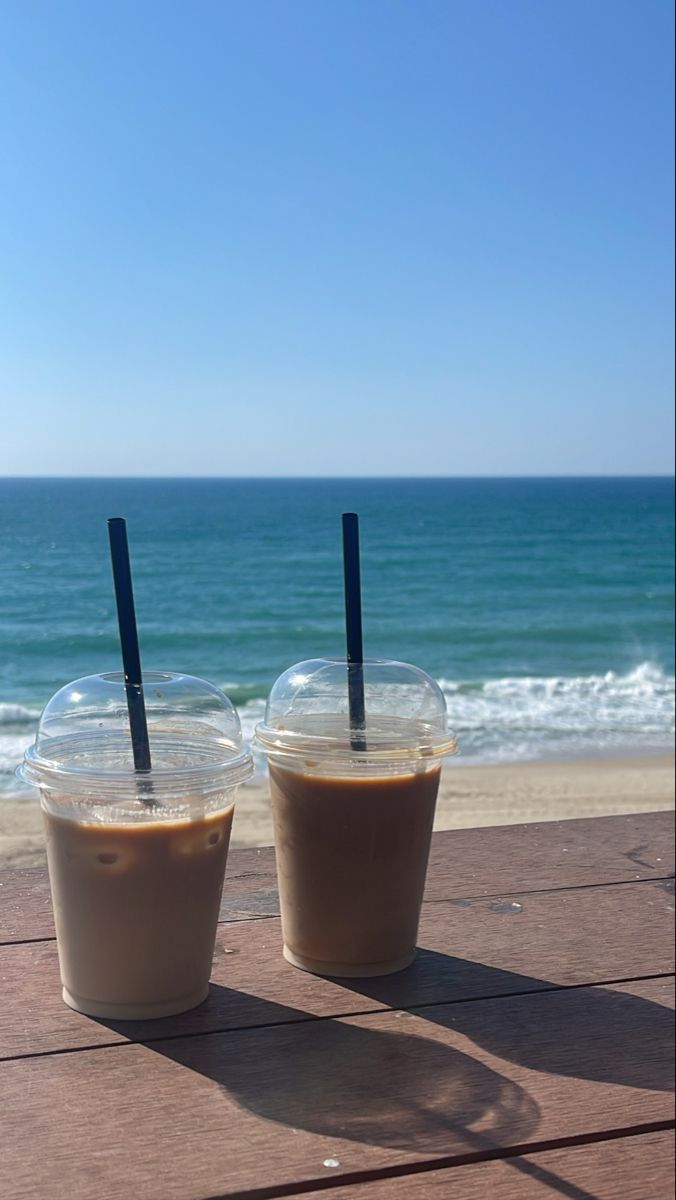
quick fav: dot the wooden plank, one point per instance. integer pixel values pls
(552, 854)
(463, 863)
(473, 949)
(494, 861)
(216, 1115)
(25, 904)
(630, 1168)
(26, 907)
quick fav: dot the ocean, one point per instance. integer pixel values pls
(544, 607)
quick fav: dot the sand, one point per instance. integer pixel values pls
(469, 796)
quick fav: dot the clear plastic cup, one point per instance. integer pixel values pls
(136, 862)
(353, 811)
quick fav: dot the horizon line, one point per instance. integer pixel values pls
(341, 478)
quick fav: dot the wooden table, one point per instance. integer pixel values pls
(527, 1053)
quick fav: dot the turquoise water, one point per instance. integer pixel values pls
(544, 607)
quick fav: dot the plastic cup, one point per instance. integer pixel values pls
(136, 861)
(353, 811)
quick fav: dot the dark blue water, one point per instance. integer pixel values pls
(543, 606)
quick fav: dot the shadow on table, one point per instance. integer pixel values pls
(345, 1080)
(586, 1032)
(398, 1089)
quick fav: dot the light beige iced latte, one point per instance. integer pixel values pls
(137, 858)
(136, 908)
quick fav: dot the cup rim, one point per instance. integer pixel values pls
(426, 742)
(224, 768)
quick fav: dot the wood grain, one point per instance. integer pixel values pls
(631, 1168)
(463, 863)
(213, 1115)
(474, 949)
(25, 904)
(551, 854)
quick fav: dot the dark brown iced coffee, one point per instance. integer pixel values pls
(351, 862)
(353, 813)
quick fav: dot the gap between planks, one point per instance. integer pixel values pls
(503, 1153)
(453, 900)
(313, 1018)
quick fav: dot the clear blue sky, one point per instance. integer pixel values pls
(336, 237)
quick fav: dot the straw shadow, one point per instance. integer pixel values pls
(588, 1033)
(339, 1079)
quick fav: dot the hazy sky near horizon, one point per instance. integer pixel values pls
(338, 237)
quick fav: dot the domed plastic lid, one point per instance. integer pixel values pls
(83, 743)
(308, 714)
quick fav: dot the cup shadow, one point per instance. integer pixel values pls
(340, 1079)
(591, 1033)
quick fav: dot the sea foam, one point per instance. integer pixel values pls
(529, 717)
(516, 718)
(17, 714)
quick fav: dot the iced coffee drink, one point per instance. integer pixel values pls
(136, 863)
(136, 908)
(351, 904)
(353, 815)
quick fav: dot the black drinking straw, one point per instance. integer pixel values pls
(355, 645)
(131, 659)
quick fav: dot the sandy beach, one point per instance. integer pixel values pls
(469, 796)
